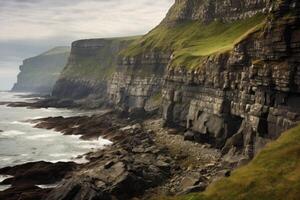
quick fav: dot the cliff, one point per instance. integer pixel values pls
(211, 10)
(232, 78)
(183, 38)
(39, 74)
(226, 71)
(240, 98)
(91, 64)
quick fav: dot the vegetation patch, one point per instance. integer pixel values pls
(90, 68)
(191, 41)
(98, 65)
(273, 174)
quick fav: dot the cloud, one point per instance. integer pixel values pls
(39, 19)
(29, 27)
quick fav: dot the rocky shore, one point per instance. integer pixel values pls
(33, 180)
(144, 161)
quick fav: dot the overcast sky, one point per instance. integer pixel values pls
(30, 27)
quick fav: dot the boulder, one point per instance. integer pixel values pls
(197, 188)
(189, 135)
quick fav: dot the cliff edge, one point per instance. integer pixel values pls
(39, 74)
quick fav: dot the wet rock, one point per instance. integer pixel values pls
(24, 193)
(191, 179)
(25, 178)
(189, 135)
(197, 188)
(88, 127)
(124, 170)
(37, 173)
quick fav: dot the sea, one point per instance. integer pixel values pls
(20, 142)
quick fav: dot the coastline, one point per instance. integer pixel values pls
(145, 160)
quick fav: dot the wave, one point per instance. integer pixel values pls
(47, 186)
(58, 155)
(21, 123)
(4, 187)
(41, 136)
(38, 117)
(4, 177)
(12, 133)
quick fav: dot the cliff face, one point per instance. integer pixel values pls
(227, 71)
(138, 81)
(236, 95)
(240, 99)
(173, 42)
(210, 10)
(91, 64)
(39, 74)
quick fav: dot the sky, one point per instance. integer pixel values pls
(30, 27)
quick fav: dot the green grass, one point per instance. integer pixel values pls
(274, 174)
(191, 41)
(90, 68)
(98, 66)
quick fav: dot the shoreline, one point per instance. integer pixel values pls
(144, 161)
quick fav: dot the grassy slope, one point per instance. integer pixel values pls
(194, 40)
(274, 174)
(98, 66)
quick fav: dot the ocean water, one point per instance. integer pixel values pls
(20, 142)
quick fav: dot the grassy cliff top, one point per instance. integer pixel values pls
(274, 174)
(57, 50)
(112, 39)
(192, 40)
(99, 59)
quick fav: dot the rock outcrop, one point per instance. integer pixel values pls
(138, 81)
(208, 11)
(39, 74)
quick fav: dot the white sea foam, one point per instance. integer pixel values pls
(4, 177)
(60, 160)
(4, 187)
(58, 155)
(22, 123)
(40, 136)
(12, 133)
(75, 137)
(105, 142)
(4, 159)
(47, 186)
(37, 117)
(82, 160)
(88, 146)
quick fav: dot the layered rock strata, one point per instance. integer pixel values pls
(208, 11)
(139, 76)
(236, 99)
(138, 80)
(240, 99)
(90, 65)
